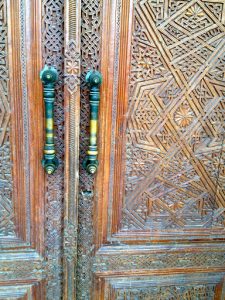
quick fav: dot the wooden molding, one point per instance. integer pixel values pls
(72, 120)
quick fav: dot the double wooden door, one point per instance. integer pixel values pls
(150, 223)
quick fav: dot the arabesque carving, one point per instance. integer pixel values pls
(175, 128)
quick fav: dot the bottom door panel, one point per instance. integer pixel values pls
(197, 286)
(160, 272)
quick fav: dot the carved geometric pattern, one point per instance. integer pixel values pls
(53, 46)
(197, 292)
(175, 138)
(70, 239)
(14, 267)
(91, 14)
(124, 262)
(6, 205)
(207, 286)
(90, 60)
(72, 67)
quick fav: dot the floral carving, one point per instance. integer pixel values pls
(184, 116)
(196, 11)
(72, 67)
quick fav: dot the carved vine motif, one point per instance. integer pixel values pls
(6, 206)
(53, 39)
(175, 152)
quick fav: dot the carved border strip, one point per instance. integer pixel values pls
(7, 220)
(91, 12)
(72, 130)
(21, 266)
(53, 55)
(145, 259)
(22, 270)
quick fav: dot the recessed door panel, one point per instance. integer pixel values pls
(158, 204)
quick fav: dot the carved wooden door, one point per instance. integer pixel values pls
(31, 35)
(151, 226)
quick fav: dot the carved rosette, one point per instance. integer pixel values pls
(72, 67)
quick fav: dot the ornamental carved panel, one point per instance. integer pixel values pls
(169, 121)
(162, 288)
(154, 217)
(199, 292)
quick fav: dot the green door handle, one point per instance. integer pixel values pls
(94, 80)
(49, 77)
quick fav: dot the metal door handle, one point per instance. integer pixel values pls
(49, 77)
(94, 79)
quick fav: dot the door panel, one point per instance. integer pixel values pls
(168, 126)
(162, 287)
(159, 192)
(21, 198)
(31, 208)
